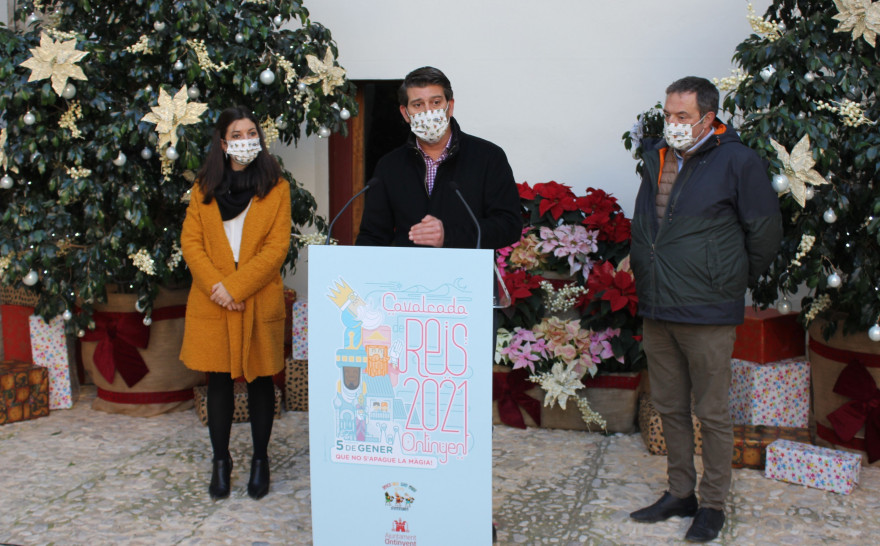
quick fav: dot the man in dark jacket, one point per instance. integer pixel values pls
(706, 225)
(414, 201)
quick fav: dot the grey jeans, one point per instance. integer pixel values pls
(686, 360)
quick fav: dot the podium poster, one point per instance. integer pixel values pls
(400, 396)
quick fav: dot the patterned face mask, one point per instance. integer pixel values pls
(680, 135)
(244, 150)
(430, 126)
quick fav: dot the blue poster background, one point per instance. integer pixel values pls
(400, 385)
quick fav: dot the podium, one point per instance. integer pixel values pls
(400, 395)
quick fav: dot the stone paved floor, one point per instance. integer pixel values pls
(81, 476)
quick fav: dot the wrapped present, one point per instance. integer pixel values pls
(16, 332)
(240, 413)
(24, 391)
(651, 428)
(813, 466)
(300, 330)
(53, 350)
(773, 394)
(768, 336)
(750, 443)
(296, 377)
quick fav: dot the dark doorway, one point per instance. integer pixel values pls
(376, 130)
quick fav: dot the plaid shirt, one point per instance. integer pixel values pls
(431, 165)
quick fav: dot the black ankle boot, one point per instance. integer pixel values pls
(258, 485)
(220, 479)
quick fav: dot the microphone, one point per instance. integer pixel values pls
(467, 207)
(505, 302)
(372, 182)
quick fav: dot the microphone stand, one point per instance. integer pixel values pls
(368, 185)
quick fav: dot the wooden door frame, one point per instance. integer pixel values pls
(346, 174)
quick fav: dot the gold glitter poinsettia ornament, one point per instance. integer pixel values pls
(799, 168)
(862, 17)
(325, 72)
(55, 60)
(172, 113)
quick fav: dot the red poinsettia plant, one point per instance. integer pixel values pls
(572, 259)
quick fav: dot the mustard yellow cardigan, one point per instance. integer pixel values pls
(251, 342)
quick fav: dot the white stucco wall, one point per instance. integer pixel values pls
(555, 83)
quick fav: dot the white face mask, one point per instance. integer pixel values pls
(430, 125)
(243, 150)
(680, 135)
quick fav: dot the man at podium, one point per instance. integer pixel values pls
(443, 187)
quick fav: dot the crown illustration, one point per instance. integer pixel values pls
(341, 293)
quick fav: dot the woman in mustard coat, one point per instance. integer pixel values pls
(235, 238)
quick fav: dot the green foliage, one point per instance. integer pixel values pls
(647, 128)
(78, 232)
(785, 108)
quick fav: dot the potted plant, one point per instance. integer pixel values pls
(572, 315)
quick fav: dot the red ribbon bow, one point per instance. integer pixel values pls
(118, 336)
(863, 410)
(509, 390)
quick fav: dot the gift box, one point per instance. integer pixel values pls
(240, 413)
(651, 427)
(300, 330)
(16, 332)
(768, 336)
(24, 391)
(750, 443)
(773, 394)
(296, 376)
(53, 350)
(813, 466)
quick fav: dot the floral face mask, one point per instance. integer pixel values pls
(430, 125)
(244, 150)
(680, 135)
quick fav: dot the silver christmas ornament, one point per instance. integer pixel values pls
(767, 72)
(148, 89)
(830, 216)
(809, 193)
(120, 159)
(6, 182)
(780, 182)
(301, 87)
(69, 91)
(254, 87)
(31, 278)
(138, 306)
(280, 122)
(239, 38)
(323, 132)
(193, 92)
(344, 114)
(171, 153)
(147, 321)
(146, 153)
(784, 306)
(31, 19)
(810, 77)
(278, 21)
(67, 315)
(178, 65)
(267, 77)
(802, 115)
(80, 333)
(834, 280)
(159, 26)
(874, 332)
(29, 119)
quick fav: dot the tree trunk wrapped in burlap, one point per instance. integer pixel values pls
(162, 383)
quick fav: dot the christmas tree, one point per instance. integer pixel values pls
(805, 97)
(106, 111)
